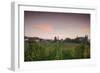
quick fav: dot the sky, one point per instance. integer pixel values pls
(47, 25)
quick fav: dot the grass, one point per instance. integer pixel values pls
(38, 51)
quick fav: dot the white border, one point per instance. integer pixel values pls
(18, 37)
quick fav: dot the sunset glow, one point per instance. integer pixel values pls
(43, 27)
(50, 24)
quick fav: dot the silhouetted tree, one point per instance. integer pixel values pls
(68, 40)
(55, 38)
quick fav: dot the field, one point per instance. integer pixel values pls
(56, 36)
(40, 51)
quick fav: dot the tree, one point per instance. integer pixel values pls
(55, 38)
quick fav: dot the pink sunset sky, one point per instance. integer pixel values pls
(47, 25)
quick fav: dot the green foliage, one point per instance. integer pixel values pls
(34, 52)
(37, 51)
(82, 51)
